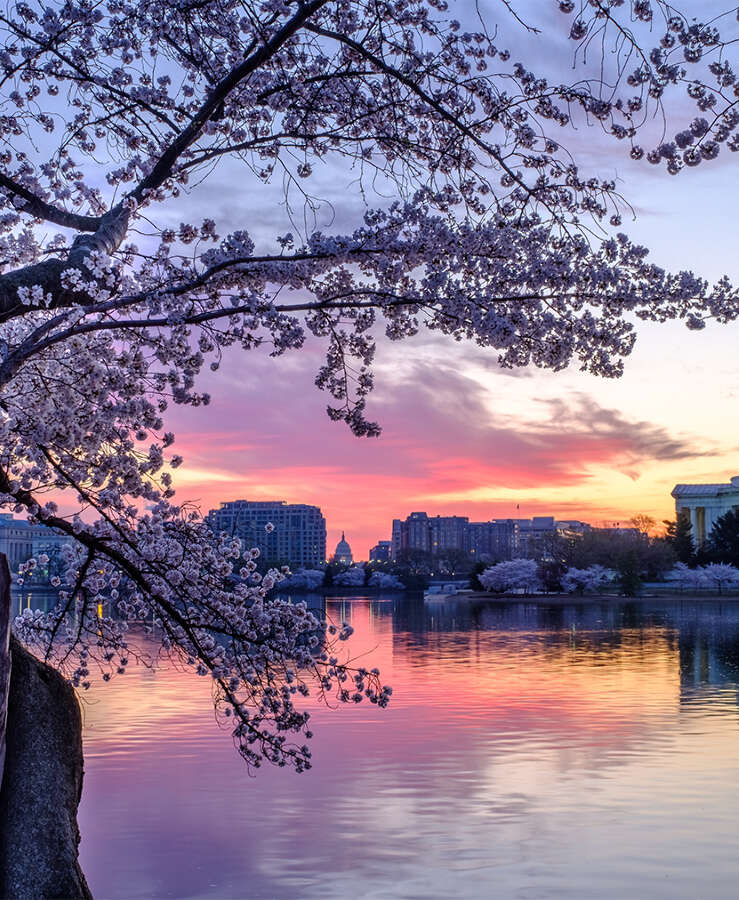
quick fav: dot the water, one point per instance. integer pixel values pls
(529, 752)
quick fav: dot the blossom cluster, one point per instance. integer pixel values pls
(511, 575)
(589, 580)
(713, 575)
(672, 50)
(483, 227)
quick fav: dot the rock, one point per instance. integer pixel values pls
(42, 785)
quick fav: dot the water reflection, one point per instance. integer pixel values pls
(530, 751)
(32, 596)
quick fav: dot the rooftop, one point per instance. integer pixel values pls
(700, 490)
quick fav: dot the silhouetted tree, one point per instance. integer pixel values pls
(679, 536)
(477, 570)
(643, 523)
(629, 579)
(722, 545)
(625, 551)
(454, 561)
(550, 574)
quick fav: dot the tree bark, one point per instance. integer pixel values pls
(42, 785)
(4, 654)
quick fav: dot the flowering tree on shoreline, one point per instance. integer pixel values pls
(354, 576)
(109, 312)
(511, 575)
(590, 580)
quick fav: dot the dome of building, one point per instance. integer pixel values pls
(343, 552)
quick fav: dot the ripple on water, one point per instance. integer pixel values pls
(528, 752)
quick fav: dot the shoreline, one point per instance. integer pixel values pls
(580, 600)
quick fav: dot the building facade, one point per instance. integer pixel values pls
(19, 540)
(703, 504)
(492, 541)
(449, 533)
(343, 552)
(298, 537)
(382, 552)
(452, 536)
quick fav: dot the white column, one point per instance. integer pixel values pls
(693, 524)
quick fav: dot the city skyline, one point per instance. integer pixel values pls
(459, 429)
(367, 397)
(465, 431)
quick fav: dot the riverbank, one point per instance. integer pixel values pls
(570, 599)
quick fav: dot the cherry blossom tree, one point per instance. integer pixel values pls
(684, 576)
(719, 575)
(385, 581)
(354, 576)
(303, 580)
(511, 575)
(473, 220)
(582, 581)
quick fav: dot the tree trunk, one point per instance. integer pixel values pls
(4, 654)
(42, 781)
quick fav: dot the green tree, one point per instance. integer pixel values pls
(722, 545)
(477, 570)
(550, 574)
(679, 536)
(629, 579)
(625, 551)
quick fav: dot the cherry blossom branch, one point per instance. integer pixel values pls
(40, 209)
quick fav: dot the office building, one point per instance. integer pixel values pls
(298, 537)
(493, 541)
(381, 552)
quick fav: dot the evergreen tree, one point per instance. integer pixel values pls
(679, 535)
(723, 542)
(477, 570)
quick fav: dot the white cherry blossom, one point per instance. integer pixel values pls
(474, 221)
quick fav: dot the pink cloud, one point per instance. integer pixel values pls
(267, 436)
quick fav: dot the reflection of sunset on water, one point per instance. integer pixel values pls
(543, 734)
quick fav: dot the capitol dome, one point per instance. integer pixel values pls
(343, 552)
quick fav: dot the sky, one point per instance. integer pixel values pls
(462, 436)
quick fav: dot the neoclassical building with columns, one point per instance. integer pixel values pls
(705, 503)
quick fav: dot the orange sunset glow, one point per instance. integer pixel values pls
(463, 437)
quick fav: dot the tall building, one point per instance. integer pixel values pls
(381, 552)
(703, 504)
(449, 533)
(451, 537)
(396, 543)
(533, 533)
(417, 532)
(298, 538)
(442, 536)
(493, 541)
